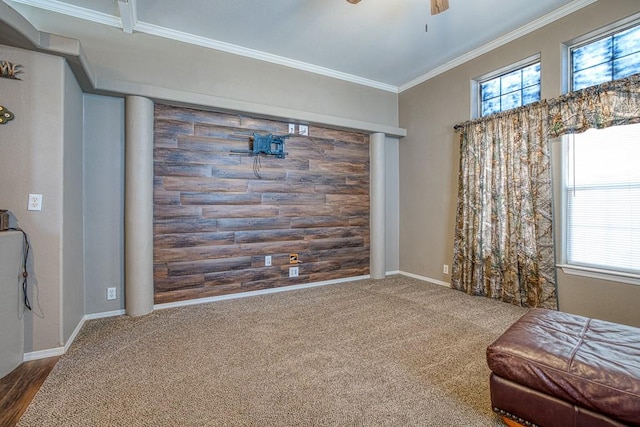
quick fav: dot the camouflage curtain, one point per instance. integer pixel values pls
(503, 246)
(609, 104)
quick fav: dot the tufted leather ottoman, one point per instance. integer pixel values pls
(556, 369)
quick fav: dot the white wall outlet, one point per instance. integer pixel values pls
(293, 271)
(111, 293)
(35, 202)
(445, 269)
(292, 128)
(303, 130)
(267, 260)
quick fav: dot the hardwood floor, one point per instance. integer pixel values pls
(18, 388)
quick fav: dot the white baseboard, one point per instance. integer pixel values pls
(43, 354)
(254, 293)
(104, 314)
(426, 279)
(59, 351)
(289, 288)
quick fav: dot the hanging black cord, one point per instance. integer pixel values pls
(25, 253)
(256, 166)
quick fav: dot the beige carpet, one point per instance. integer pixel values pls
(395, 352)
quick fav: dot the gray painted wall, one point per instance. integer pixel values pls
(72, 224)
(31, 161)
(429, 158)
(103, 202)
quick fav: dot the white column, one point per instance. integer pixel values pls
(138, 206)
(377, 258)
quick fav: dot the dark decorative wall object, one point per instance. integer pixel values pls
(5, 115)
(215, 220)
(10, 70)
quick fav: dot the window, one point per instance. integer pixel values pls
(602, 191)
(609, 58)
(510, 90)
(601, 188)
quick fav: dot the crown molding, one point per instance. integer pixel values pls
(143, 27)
(156, 30)
(180, 36)
(500, 41)
(72, 10)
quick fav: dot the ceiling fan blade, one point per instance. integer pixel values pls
(354, 1)
(438, 6)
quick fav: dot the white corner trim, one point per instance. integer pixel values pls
(500, 41)
(256, 293)
(425, 279)
(59, 351)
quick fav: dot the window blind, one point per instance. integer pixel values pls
(603, 198)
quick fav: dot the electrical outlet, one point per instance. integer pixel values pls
(35, 202)
(111, 293)
(293, 271)
(303, 130)
(267, 260)
(445, 269)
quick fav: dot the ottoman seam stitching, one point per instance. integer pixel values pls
(578, 344)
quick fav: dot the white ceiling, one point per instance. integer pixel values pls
(380, 43)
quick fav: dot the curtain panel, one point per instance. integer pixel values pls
(503, 247)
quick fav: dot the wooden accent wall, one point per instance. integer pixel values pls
(215, 220)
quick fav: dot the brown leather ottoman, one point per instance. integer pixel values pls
(556, 369)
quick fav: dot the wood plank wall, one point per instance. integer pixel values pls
(215, 220)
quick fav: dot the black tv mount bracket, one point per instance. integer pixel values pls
(269, 144)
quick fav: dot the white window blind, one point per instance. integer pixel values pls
(603, 198)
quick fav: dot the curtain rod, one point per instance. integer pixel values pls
(494, 116)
